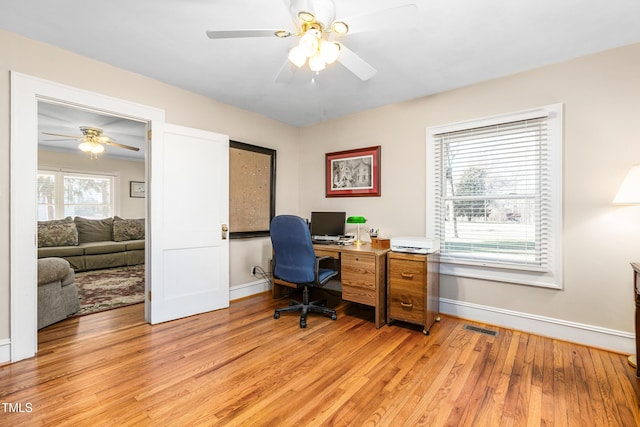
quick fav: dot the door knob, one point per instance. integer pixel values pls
(225, 228)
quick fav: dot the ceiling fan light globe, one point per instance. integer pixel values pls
(97, 148)
(297, 56)
(309, 42)
(329, 51)
(85, 146)
(317, 63)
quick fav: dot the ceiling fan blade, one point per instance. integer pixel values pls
(61, 139)
(239, 34)
(396, 17)
(115, 144)
(354, 63)
(66, 136)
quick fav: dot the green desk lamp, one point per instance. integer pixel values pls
(357, 220)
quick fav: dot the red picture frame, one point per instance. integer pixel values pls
(353, 173)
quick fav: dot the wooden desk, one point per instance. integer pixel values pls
(362, 274)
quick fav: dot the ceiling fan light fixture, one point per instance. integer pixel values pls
(309, 42)
(297, 56)
(97, 148)
(317, 62)
(92, 147)
(86, 146)
(329, 51)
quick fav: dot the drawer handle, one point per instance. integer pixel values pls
(406, 275)
(406, 304)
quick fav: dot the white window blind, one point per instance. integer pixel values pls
(493, 196)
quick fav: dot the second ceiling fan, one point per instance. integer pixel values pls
(316, 25)
(92, 140)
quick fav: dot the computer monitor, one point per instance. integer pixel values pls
(327, 225)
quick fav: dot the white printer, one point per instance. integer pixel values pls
(415, 245)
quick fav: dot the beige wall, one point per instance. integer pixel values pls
(127, 170)
(601, 97)
(181, 108)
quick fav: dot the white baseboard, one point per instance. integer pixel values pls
(248, 289)
(593, 336)
(5, 351)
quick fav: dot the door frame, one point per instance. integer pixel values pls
(26, 92)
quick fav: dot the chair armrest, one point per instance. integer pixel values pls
(316, 268)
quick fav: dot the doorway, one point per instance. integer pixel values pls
(94, 191)
(183, 165)
(27, 92)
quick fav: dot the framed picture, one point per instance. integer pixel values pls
(252, 190)
(353, 172)
(136, 189)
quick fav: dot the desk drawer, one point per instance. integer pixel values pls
(406, 302)
(327, 252)
(407, 283)
(407, 272)
(359, 278)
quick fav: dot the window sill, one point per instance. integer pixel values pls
(539, 278)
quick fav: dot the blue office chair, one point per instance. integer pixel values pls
(295, 261)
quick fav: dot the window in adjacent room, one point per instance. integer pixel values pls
(64, 193)
(494, 196)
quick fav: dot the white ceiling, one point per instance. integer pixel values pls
(448, 44)
(66, 120)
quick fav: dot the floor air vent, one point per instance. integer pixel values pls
(481, 330)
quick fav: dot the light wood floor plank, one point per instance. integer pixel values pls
(240, 366)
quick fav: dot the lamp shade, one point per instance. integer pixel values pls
(356, 220)
(629, 192)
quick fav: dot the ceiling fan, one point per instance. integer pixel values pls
(92, 140)
(316, 25)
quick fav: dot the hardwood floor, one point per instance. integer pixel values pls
(242, 367)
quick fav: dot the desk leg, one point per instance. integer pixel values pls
(381, 310)
(377, 318)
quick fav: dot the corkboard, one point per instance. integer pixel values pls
(251, 189)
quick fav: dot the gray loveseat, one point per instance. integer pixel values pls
(57, 292)
(92, 244)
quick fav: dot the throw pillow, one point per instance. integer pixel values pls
(94, 230)
(128, 229)
(57, 232)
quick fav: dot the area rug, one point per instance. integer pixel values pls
(101, 290)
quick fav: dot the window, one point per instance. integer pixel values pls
(494, 196)
(65, 193)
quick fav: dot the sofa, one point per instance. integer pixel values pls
(57, 292)
(92, 244)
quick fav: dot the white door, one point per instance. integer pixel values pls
(189, 201)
